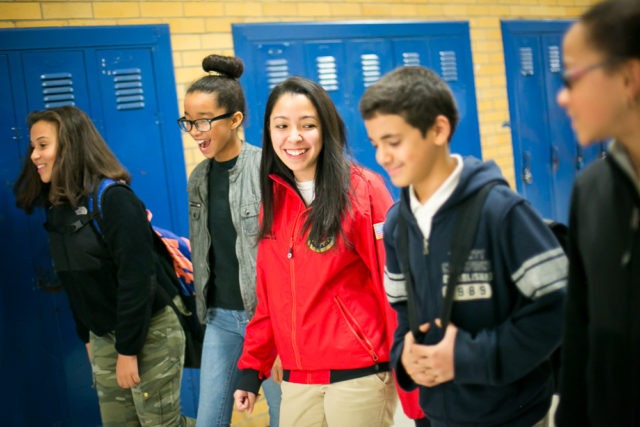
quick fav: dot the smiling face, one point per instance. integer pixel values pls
(221, 142)
(44, 141)
(596, 101)
(408, 156)
(296, 134)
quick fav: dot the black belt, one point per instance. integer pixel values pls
(337, 375)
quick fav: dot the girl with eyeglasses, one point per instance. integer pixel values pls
(601, 349)
(224, 201)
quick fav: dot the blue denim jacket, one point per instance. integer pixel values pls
(244, 201)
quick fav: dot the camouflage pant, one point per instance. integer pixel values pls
(156, 400)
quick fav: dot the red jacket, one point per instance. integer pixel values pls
(322, 308)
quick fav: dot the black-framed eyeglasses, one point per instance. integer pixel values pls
(202, 125)
(570, 77)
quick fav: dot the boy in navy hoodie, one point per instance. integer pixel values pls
(490, 366)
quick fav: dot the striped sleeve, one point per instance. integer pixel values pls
(542, 274)
(394, 285)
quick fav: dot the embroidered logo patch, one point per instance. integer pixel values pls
(324, 246)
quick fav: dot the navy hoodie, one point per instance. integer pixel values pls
(508, 305)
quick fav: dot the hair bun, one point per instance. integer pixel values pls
(228, 66)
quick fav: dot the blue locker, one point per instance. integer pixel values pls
(123, 78)
(347, 57)
(546, 154)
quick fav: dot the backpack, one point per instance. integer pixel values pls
(176, 250)
(463, 236)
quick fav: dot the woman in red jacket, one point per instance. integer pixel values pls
(321, 303)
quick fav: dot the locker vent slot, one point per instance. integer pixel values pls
(554, 59)
(57, 89)
(327, 73)
(410, 58)
(526, 61)
(448, 66)
(127, 83)
(370, 63)
(277, 71)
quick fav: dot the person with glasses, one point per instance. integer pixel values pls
(224, 201)
(601, 349)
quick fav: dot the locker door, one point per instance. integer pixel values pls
(130, 113)
(56, 78)
(366, 61)
(529, 119)
(326, 64)
(47, 370)
(447, 57)
(564, 149)
(274, 62)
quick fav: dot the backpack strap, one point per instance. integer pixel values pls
(403, 251)
(94, 202)
(464, 234)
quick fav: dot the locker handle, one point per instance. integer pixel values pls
(555, 159)
(16, 133)
(527, 176)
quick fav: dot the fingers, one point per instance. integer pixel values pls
(425, 327)
(277, 372)
(244, 400)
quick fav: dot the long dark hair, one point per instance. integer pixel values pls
(83, 159)
(332, 180)
(223, 85)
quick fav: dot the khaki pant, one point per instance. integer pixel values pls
(362, 402)
(156, 400)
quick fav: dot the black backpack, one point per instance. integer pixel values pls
(464, 235)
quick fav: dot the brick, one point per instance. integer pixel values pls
(280, 9)
(405, 10)
(203, 9)
(314, 9)
(67, 10)
(221, 24)
(376, 10)
(346, 10)
(161, 9)
(240, 8)
(116, 10)
(16, 11)
(186, 42)
(217, 41)
(186, 25)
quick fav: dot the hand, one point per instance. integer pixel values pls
(276, 371)
(127, 371)
(88, 347)
(430, 365)
(244, 401)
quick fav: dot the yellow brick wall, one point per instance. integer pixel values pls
(199, 28)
